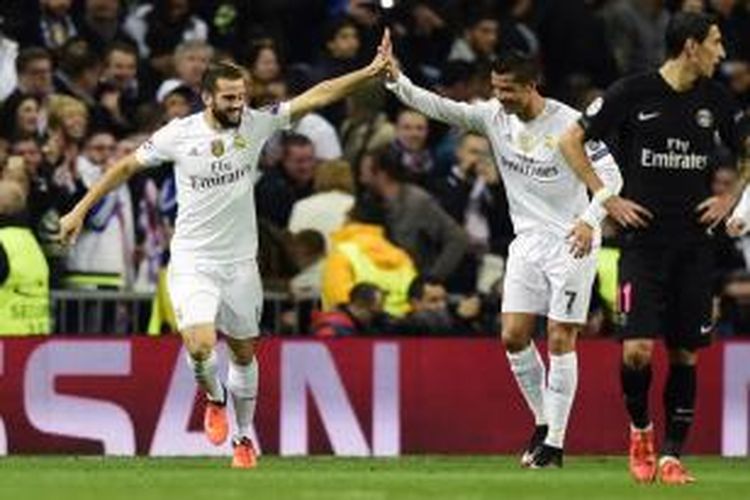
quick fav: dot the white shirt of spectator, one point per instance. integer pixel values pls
(8, 75)
(215, 171)
(543, 192)
(322, 134)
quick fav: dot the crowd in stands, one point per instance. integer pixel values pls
(397, 223)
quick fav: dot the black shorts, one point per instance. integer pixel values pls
(666, 292)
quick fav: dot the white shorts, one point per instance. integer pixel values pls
(230, 296)
(542, 277)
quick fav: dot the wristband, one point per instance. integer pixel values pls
(603, 195)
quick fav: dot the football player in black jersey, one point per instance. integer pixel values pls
(663, 127)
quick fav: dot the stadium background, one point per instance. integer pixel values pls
(83, 82)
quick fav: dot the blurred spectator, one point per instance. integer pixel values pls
(191, 60)
(416, 222)
(410, 146)
(308, 248)
(119, 90)
(103, 253)
(312, 125)
(361, 315)
(20, 117)
(53, 27)
(431, 315)
(78, 73)
(340, 56)
(34, 69)
(327, 209)
(636, 29)
(175, 99)
(264, 64)
(68, 126)
(24, 276)
(479, 40)
(8, 75)
(574, 46)
(361, 253)
(101, 24)
(426, 39)
(366, 128)
(280, 188)
(47, 201)
(159, 27)
(473, 195)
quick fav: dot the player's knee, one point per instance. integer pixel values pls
(200, 350)
(514, 340)
(637, 354)
(561, 339)
(682, 357)
(243, 351)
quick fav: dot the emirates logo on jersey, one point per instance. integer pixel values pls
(217, 148)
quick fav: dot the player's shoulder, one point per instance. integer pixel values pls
(559, 111)
(177, 126)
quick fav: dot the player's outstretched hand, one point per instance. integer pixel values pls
(715, 209)
(581, 238)
(736, 227)
(70, 227)
(627, 213)
(386, 50)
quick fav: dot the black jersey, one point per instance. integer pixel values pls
(664, 141)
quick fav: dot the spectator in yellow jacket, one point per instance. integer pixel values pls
(360, 253)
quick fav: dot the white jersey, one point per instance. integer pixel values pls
(214, 173)
(543, 193)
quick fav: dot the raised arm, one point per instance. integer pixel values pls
(121, 171)
(330, 91)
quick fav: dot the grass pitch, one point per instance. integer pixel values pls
(454, 478)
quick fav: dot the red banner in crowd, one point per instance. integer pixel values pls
(355, 397)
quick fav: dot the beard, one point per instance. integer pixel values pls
(224, 119)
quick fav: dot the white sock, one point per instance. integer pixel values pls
(242, 383)
(528, 368)
(206, 375)
(561, 391)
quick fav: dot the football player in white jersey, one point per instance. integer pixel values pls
(213, 278)
(552, 260)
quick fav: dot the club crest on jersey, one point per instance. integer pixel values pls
(239, 142)
(217, 148)
(704, 118)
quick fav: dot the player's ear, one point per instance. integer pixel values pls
(207, 98)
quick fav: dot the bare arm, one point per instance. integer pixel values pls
(121, 171)
(572, 148)
(330, 91)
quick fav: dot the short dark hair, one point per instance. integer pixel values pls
(293, 139)
(388, 161)
(77, 57)
(221, 70)
(524, 68)
(121, 46)
(478, 15)
(29, 55)
(686, 25)
(311, 240)
(332, 29)
(418, 284)
(364, 294)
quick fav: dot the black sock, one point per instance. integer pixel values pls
(679, 407)
(636, 383)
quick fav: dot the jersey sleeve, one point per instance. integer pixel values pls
(158, 148)
(460, 114)
(274, 118)
(606, 113)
